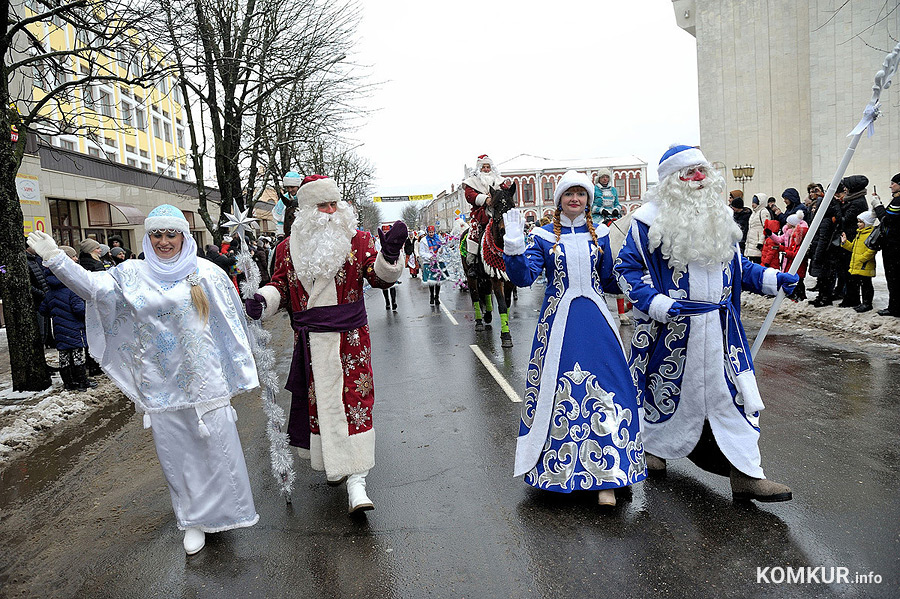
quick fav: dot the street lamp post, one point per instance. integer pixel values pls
(743, 174)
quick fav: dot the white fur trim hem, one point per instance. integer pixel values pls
(659, 307)
(273, 300)
(480, 199)
(749, 392)
(213, 529)
(387, 272)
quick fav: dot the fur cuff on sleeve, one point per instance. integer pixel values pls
(389, 273)
(659, 307)
(770, 282)
(480, 199)
(515, 247)
(273, 300)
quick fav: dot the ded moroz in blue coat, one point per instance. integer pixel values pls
(684, 375)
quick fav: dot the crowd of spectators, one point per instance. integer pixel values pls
(840, 256)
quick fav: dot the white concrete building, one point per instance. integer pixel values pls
(781, 84)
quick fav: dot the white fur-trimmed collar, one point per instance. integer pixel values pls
(647, 213)
(567, 222)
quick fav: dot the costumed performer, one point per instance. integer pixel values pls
(433, 266)
(690, 360)
(580, 428)
(170, 331)
(319, 274)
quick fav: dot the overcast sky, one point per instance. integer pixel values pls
(566, 79)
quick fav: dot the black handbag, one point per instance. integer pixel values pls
(873, 241)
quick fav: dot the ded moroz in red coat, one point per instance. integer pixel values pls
(341, 394)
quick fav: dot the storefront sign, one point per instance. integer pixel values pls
(28, 189)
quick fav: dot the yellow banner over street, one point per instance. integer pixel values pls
(427, 196)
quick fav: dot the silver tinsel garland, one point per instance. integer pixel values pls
(279, 451)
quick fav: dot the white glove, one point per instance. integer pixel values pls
(876, 201)
(43, 245)
(514, 235)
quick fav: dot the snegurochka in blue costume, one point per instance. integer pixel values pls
(682, 269)
(580, 427)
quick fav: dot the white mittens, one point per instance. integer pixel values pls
(43, 245)
(514, 235)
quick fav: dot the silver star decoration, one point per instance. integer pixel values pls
(240, 222)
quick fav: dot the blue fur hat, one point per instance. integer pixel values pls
(166, 217)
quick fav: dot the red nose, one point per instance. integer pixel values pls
(698, 175)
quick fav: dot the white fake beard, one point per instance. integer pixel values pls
(693, 225)
(322, 241)
(489, 180)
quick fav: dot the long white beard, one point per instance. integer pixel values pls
(320, 242)
(489, 180)
(693, 225)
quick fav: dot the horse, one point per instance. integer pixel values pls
(492, 257)
(477, 282)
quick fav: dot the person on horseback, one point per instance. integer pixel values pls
(477, 189)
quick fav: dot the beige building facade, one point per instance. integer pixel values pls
(781, 84)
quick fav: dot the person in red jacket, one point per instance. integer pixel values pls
(771, 250)
(477, 188)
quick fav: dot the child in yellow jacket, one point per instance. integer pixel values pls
(862, 264)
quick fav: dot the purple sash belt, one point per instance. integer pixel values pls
(324, 319)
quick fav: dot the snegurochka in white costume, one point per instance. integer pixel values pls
(580, 427)
(682, 268)
(170, 331)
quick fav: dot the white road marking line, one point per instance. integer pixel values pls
(450, 316)
(513, 396)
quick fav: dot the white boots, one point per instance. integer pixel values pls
(356, 492)
(194, 540)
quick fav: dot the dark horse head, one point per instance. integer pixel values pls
(501, 201)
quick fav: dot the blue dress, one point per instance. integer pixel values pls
(580, 428)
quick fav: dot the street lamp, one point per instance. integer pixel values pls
(743, 174)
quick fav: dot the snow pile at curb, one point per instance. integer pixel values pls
(846, 322)
(47, 410)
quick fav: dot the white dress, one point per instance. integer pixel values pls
(181, 373)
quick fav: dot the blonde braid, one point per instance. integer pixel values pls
(201, 302)
(590, 226)
(557, 228)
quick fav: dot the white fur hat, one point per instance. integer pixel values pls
(794, 219)
(867, 217)
(574, 179)
(603, 171)
(317, 189)
(679, 157)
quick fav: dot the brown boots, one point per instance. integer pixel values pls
(655, 465)
(745, 488)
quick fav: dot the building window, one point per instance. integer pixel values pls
(122, 58)
(634, 188)
(65, 222)
(111, 142)
(145, 166)
(129, 148)
(131, 162)
(136, 69)
(160, 160)
(548, 192)
(95, 152)
(179, 135)
(161, 170)
(620, 188)
(166, 113)
(127, 113)
(145, 154)
(176, 93)
(105, 103)
(66, 144)
(163, 86)
(156, 128)
(140, 119)
(167, 131)
(528, 193)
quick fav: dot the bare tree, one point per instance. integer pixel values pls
(412, 216)
(352, 172)
(239, 59)
(368, 215)
(107, 35)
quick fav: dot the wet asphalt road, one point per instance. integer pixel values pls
(90, 516)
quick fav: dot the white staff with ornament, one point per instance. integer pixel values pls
(871, 112)
(239, 222)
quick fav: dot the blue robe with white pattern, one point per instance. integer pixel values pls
(580, 426)
(680, 366)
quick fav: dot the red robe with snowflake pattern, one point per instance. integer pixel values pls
(341, 393)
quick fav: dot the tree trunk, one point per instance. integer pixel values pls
(26, 347)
